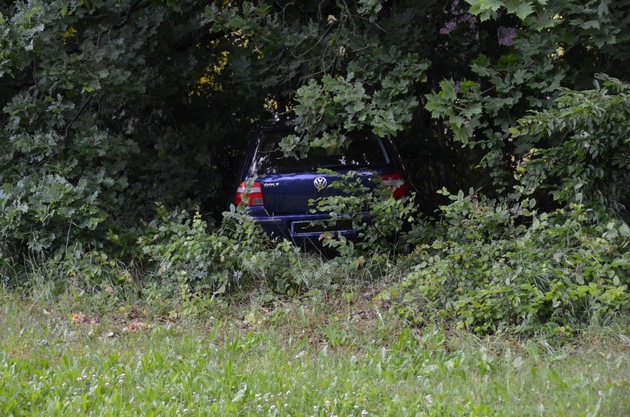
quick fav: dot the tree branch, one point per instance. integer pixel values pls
(74, 119)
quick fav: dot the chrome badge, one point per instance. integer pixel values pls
(320, 183)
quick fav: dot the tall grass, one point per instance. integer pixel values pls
(325, 355)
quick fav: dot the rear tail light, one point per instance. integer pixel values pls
(396, 183)
(249, 194)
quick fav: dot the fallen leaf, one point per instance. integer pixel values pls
(78, 318)
(135, 326)
(83, 319)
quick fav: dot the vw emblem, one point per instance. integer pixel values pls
(320, 183)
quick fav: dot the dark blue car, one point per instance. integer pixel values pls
(279, 190)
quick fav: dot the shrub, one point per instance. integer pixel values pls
(589, 159)
(186, 252)
(382, 232)
(501, 268)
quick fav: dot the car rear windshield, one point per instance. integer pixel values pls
(359, 151)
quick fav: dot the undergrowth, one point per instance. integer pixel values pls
(486, 267)
(507, 268)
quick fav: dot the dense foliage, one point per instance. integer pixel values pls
(497, 267)
(111, 106)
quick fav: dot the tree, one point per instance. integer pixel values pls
(476, 66)
(99, 118)
(109, 106)
(539, 49)
(340, 66)
(590, 163)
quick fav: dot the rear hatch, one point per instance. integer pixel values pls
(291, 193)
(289, 183)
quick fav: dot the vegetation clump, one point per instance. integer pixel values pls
(507, 269)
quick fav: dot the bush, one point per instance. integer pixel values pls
(382, 232)
(186, 252)
(589, 159)
(501, 268)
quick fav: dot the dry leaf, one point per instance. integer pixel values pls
(83, 319)
(135, 326)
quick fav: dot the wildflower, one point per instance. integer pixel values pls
(364, 413)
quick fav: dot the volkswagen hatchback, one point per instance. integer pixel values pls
(279, 190)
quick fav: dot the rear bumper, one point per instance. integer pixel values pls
(305, 228)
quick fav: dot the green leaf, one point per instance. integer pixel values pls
(472, 110)
(447, 90)
(485, 9)
(522, 9)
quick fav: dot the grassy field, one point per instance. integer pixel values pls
(327, 354)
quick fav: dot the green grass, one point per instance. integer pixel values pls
(324, 355)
